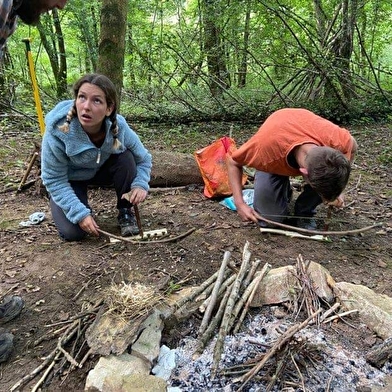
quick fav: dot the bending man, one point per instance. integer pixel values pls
(293, 142)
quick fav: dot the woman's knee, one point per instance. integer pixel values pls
(72, 234)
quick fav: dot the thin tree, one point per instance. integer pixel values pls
(52, 39)
(213, 47)
(111, 47)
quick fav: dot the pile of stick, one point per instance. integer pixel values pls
(285, 349)
(70, 353)
(224, 300)
(228, 294)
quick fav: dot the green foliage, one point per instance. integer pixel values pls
(172, 288)
(168, 77)
(386, 156)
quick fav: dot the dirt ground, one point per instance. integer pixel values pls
(56, 278)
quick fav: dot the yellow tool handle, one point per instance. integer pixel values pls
(35, 86)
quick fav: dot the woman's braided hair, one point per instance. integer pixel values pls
(107, 86)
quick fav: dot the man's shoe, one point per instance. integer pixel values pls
(307, 223)
(6, 346)
(10, 308)
(127, 223)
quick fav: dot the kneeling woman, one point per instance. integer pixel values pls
(87, 143)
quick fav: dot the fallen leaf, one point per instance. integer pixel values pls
(11, 274)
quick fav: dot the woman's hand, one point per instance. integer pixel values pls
(135, 195)
(89, 225)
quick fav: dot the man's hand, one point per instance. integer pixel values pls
(135, 195)
(247, 213)
(89, 225)
(338, 202)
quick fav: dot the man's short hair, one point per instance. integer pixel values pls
(328, 171)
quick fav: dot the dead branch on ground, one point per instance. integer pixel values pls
(286, 337)
(233, 298)
(323, 233)
(307, 296)
(144, 242)
(52, 359)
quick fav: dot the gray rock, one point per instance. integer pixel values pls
(135, 383)
(322, 281)
(148, 344)
(112, 369)
(276, 287)
(374, 310)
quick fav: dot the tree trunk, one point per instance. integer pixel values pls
(61, 77)
(171, 169)
(52, 38)
(244, 60)
(112, 41)
(213, 48)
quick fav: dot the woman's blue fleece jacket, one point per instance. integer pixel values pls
(71, 156)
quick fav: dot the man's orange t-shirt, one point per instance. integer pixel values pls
(284, 130)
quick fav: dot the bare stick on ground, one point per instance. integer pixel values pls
(222, 290)
(126, 239)
(324, 233)
(214, 294)
(276, 347)
(223, 330)
(253, 288)
(203, 340)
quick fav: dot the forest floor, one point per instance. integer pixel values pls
(56, 278)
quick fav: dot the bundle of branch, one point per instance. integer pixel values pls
(200, 290)
(307, 297)
(214, 294)
(285, 369)
(279, 347)
(191, 303)
(60, 357)
(229, 301)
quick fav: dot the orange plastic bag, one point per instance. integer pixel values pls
(212, 164)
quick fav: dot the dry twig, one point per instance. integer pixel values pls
(276, 347)
(53, 357)
(323, 233)
(47, 371)
(144, 242)
(214, 294)
(225, 324)
(252, 291)
(329, 311)
(340, 315)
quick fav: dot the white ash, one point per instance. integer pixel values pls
(339, 369)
